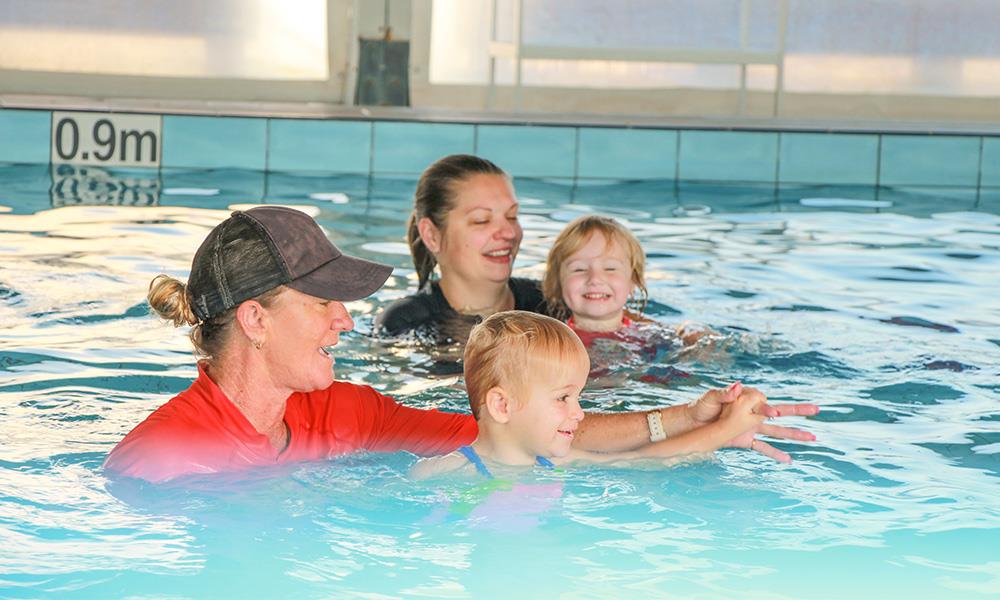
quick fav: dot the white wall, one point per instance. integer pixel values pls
(247, 39)
(934, 47)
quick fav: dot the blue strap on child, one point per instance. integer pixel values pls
(473, 458)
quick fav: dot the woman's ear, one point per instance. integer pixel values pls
(250, 316)
(430, 235)
(498, 403)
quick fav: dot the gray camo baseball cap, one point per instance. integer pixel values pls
(257, 250)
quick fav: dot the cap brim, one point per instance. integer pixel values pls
(344, 279)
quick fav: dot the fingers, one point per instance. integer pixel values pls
(753, 398)
(767, 411)
(770, 451)
(795, 410)
(723, 396)
(785, 433)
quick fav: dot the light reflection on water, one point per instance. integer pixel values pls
(887, 320)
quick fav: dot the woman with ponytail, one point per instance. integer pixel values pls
(464, 224)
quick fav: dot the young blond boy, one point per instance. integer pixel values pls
(524, 373)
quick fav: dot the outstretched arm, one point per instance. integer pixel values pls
(743, 414)
(623, 432)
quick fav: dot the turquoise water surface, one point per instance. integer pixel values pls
(880, 305)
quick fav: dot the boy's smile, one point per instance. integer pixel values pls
(548, 409)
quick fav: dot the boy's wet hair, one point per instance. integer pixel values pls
(575, 236)
(508, 347)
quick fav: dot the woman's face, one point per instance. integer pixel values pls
(481, 235)
(300, 330)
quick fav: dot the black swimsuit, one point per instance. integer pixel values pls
(428, 312)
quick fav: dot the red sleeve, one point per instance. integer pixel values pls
(387, 426)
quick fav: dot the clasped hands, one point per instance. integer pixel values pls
(712, 405)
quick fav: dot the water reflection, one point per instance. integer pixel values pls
(72, 184)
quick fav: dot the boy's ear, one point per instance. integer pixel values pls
(430, 235)
(498, 403)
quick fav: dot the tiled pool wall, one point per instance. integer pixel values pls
(405, 148)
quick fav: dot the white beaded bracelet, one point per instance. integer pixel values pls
(656, 432)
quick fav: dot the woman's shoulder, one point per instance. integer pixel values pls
(527, 294)
(410, 312)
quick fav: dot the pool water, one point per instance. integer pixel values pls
(879, 305)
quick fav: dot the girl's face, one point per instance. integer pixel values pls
(596, 281)
(482, 234)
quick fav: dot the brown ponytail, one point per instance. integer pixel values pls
(435, 198)
(168, 298)
(423, 260)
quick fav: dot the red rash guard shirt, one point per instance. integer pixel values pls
(201, 431)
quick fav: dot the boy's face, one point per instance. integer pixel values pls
(548, 409)
(596, 280)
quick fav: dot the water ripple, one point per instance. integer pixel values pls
(883, 319)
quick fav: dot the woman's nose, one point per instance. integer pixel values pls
(507, 230)
(342, 320)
